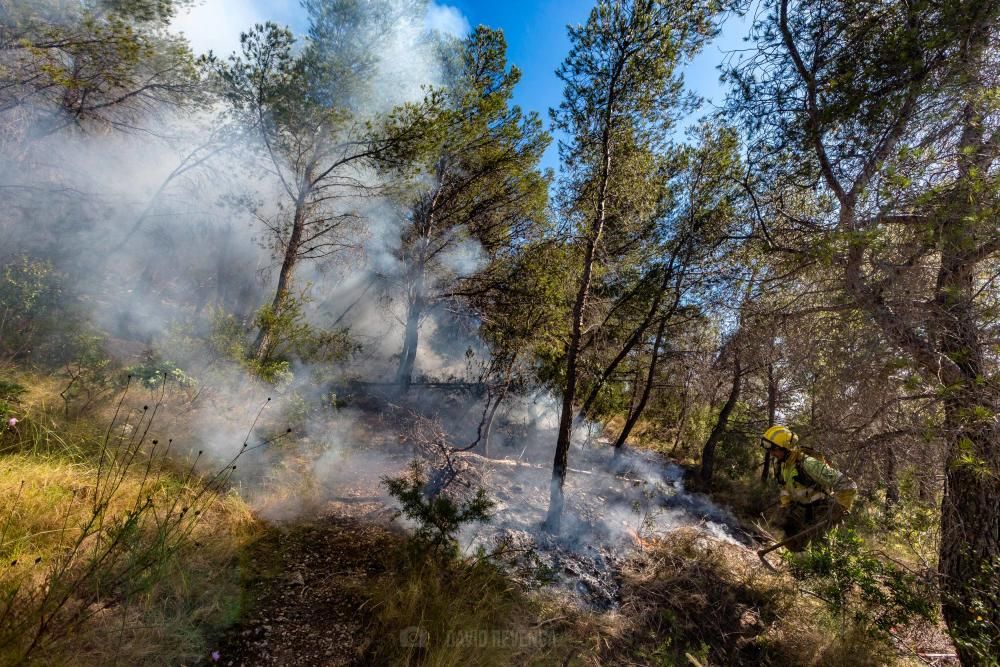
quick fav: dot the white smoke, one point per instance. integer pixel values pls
(150, 255)
(447, 20)
(215, 25)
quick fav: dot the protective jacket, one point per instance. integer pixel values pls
(807, 479)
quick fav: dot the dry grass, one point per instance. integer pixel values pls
(443, 614)
(102, 561)
(690, 594)
(447, 614)
(695, 600)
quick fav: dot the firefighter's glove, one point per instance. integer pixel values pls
(845, 497)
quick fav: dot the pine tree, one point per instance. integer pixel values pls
(890, 108)
(480, 186)
(621, 97)
(305, 108)
(91, 66)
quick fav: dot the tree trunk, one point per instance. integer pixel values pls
(970, 522)
(970, 536)
(265, 338)
(636, 412)
(891, 479)
(424, 222)
(630, 344)
(560, 462)
(772, 415)
(926, 477)
(722, 424)
(408, 356)
(682, 417)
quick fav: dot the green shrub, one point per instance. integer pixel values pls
(228, 336)
(10, 396)
(980, 636)
(30, 298)
(11, 390)
(292, 336)
(154, 372)
(292, 339)
(92, 375)
(438, 515)
(738, 455)
(864, 587)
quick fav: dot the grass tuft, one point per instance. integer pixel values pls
(108, 555)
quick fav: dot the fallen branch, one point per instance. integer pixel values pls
(538, 466)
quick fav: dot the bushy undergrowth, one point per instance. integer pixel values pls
(292, 338)
(10, 396)
(694, 600)
(687, 600)
(438, 516)
(30, 305)
(870, 582)
(109, 552)
(864, 588)
(154, 372)
(691, 595)
(438, 607)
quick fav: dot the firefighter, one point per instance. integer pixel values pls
(812, 492)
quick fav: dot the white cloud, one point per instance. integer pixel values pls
(447, 19)
(216, 24)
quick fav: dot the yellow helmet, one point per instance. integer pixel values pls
(779, 436)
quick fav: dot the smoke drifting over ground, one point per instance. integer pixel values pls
(158, 233)
(615, 504)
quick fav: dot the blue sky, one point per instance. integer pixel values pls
(537, 43)
(535, 31)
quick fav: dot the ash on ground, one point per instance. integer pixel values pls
(615, 505)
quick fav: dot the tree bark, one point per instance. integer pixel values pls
(772, 415)
(722, 424)
(265, 338)
(682, 416)
(415, 309)
(891, 478)
(970, 536)
(637, 411)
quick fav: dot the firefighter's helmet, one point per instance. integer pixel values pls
(779, 436)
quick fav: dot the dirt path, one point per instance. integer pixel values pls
(304, 594)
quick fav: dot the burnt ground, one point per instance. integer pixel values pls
(305, 583)
(304, 594)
